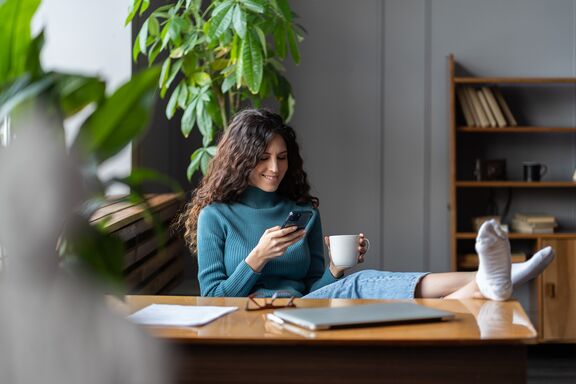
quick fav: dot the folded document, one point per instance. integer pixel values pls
(178, 315)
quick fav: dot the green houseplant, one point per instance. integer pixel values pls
(216, 57)
(116, 119)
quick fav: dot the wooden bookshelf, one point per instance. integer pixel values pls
(515, 184)
(514, 80)
(554, 301)
(464, 129)
(527, 236)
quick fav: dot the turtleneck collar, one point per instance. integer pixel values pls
(256, 198)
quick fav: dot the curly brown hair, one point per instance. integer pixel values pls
(239, 150)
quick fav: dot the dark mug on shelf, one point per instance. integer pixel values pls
(534, 171)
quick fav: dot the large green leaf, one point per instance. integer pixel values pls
(15, 18)
(285, 9)
(257, 6)
(239, 21)
(164, 74)
(120, 119)
(76, 92)
(200, 160)
(21, 90)
(195, 161)
(280, 41)
(132, 10)
(183, 95)
(189, 118)
(205, 161)
(173, 101)
(33, 64)
(143, 37)
(228, 83)
(93, 250)
(252, 62)
(138, 176)
(145, 5)
(220, 22)
(292, 42)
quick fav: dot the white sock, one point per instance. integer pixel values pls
(493, 248)
(523, 272)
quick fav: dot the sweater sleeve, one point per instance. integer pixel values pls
(318, 275)
(211, 238)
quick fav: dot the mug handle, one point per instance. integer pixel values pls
(543, 169)
(367, 244)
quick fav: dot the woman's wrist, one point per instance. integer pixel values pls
(255, 260)
(336, 272)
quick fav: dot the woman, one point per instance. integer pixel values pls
(255, 179)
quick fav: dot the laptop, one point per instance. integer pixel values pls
(358, 315)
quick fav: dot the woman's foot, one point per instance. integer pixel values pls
(523, 272)
(493, 248)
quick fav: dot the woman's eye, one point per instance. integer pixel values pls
(282, 157)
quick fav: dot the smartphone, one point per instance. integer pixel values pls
(297, 218)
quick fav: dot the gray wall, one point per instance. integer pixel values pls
(372, 106)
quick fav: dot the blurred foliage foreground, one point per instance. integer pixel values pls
(49, 191)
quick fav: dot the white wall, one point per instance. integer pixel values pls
(89, 37)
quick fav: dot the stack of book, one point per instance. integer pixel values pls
(534, 223)
(485, 107)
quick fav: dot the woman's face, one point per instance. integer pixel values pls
(272, 166)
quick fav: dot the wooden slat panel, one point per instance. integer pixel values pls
(108, 209)
(142, 249)
(132, 213)
(164, 278)
(154, 263)
(135, 228)
(146, 267)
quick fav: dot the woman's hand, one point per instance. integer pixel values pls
(273, 244)
(337, 272)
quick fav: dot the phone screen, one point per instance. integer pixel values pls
(298, 218)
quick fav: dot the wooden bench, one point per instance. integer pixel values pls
(152, 264)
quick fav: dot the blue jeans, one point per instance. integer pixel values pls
(371, 284)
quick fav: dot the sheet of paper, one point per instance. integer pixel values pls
(178, 315)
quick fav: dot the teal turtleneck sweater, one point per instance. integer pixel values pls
(227, 233)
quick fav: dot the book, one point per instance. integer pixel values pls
(470, 107)
(535, 217)
(465, 107)
(502, 103)
(473, 96)
(486, 108)
(521, 227)
(498, 115)
(526, 227)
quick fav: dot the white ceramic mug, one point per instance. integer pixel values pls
(344, 250)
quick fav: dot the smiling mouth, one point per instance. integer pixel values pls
(270, 178)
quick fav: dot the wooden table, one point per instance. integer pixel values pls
(484, 343)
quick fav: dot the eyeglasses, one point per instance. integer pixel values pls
(253, 305)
